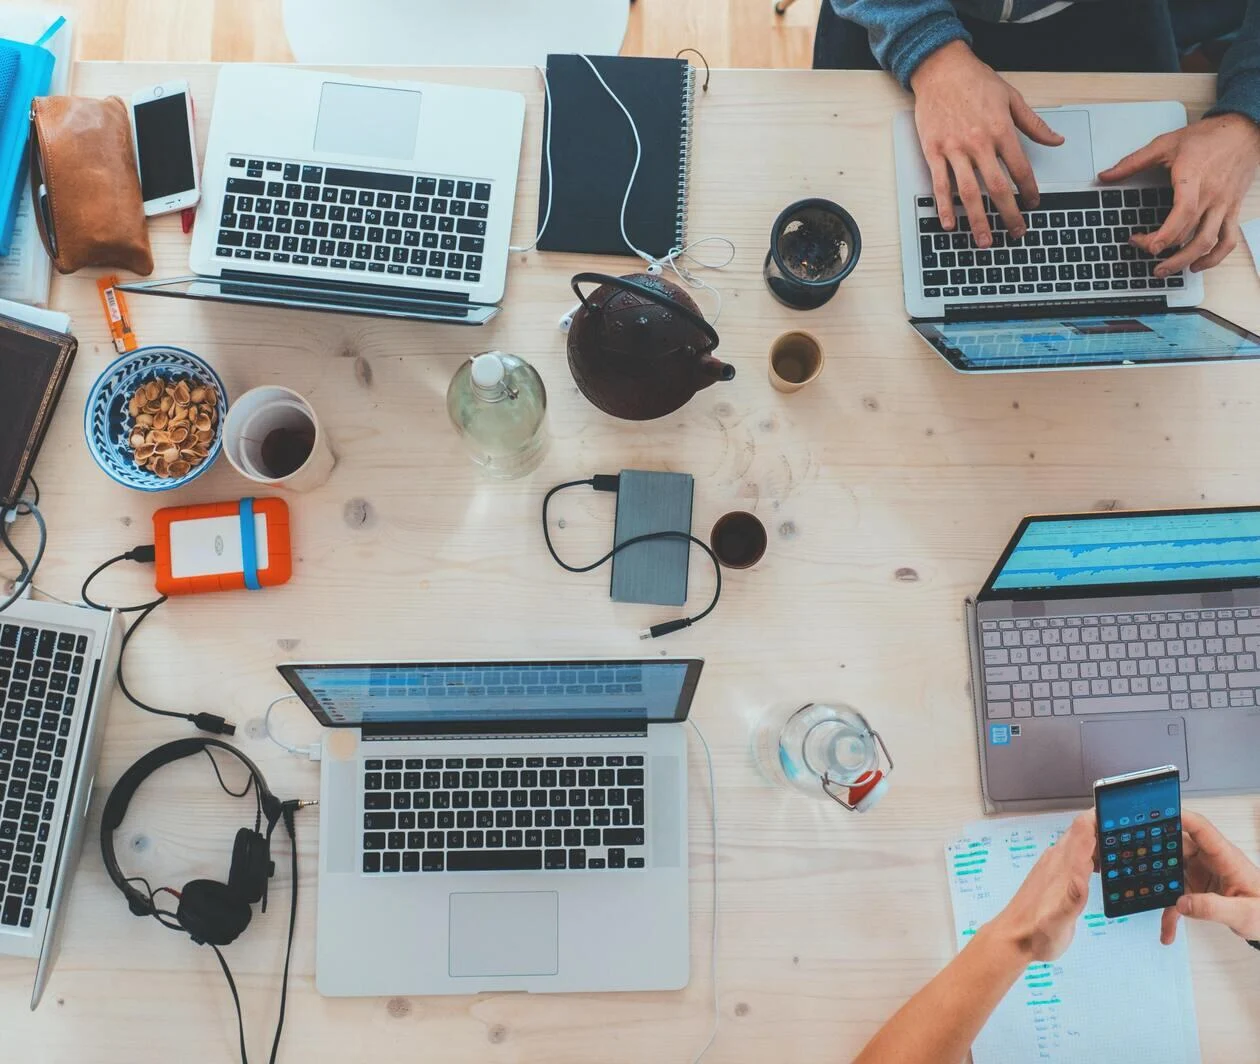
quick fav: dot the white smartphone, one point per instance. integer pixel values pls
(166, 153)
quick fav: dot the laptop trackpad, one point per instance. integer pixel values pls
(1072, 162)
(502, 933)
(1113, 747)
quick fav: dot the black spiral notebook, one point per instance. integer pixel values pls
(592, 154)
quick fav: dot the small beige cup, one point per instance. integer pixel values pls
(259, 413)
(796, 359)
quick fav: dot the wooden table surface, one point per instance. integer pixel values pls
(888, 489)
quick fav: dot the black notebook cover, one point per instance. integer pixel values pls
(592, 154)
(34, 363)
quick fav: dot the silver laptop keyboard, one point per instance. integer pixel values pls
(1120, 663)
(40, 671)
(1076, 242)
(498, 814)
(353, 222)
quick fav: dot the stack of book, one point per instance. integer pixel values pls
(34, 61)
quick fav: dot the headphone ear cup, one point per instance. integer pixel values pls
(251, 865)
(212, 912)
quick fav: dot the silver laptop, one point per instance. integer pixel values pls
(1106, 642)
(1073, 292)
(57, 666)
(501, 825)
(327, 192)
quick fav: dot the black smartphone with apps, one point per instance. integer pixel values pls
(1139, 840)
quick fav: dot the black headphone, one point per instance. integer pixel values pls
(210, 912)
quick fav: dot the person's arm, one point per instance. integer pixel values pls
(1222, 883)
(1211, 162)
(938, 1024)
(904, 32)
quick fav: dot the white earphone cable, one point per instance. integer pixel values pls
(542, 228)
(713, 945)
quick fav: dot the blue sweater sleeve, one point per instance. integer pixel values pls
(1238, 83)
(903, 33)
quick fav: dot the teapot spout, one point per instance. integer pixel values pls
(710, 370)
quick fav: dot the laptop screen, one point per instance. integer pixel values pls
(509, 694)
(1078, 341)
(1128, 549)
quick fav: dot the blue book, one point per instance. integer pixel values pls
(25, 72)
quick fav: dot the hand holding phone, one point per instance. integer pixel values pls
(166, 153)
(1140, 853)
(1222, 883)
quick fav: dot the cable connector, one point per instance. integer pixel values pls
(145, 553)
(606, 482)
(212, 723)
(294, 804)
(665, 628)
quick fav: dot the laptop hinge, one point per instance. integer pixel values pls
(479, 730)
(1055, 308)
(284, 280)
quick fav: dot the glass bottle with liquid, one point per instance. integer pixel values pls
(828, 751)
(498, 405)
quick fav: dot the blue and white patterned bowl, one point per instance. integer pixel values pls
(107, 423)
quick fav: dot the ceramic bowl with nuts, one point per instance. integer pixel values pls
(154, 418)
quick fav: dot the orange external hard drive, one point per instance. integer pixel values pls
(222, 546)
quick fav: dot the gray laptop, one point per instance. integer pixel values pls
(1073, 292)
(501, 825)
(1105, 642)
(57, 666)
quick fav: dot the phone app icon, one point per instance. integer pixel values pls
(1108, 825)
(1159, 888)
(1109, 840)
(1172, 862)
(1157, 865)
(1124, 821)
(1174, 885)
(1154, 814)
(1157, 848)
(1144, 891)
(1156, 832)
(1139, 834)
(1142, 867)
(1140, 818)
(1141, 851)
(1113, 874)
(1128, 893)
(1126, 837)
(1111, 858)
(1115, 896)
(1172, 844)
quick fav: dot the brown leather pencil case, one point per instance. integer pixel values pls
(85, 185)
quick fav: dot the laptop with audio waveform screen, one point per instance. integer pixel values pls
(1081, 341)
(1209, 547)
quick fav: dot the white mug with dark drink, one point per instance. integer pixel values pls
(272, 436)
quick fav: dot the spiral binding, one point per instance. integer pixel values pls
(684, 153)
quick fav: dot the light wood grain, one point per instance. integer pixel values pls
(888, 489)
(743, 33)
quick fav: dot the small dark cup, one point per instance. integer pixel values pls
(814, 245)
(738, 539)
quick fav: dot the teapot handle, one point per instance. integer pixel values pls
(648, 293)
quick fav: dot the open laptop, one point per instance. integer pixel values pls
(327, 192)
(57, 666)
(1073, 292)
(1106, 642)
(501, 825)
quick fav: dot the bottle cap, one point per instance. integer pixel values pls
(487, 371)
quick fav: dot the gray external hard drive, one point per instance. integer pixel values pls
(653, 572)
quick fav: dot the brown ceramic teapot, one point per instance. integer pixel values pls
(639, 347)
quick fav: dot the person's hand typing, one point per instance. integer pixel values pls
(1212, 163)
(967, 117)
(1222, 885)
(1041, 919)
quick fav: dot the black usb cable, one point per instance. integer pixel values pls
(207, 722)
(610, 482)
